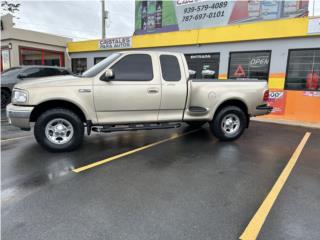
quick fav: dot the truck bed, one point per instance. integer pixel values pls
(211, 93)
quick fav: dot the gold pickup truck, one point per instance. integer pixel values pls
(134, 90)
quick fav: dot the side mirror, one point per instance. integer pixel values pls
(107, 76)
(207, 73)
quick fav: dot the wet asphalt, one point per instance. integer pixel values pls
(192, 187)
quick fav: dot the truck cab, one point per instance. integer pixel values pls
(142, 87)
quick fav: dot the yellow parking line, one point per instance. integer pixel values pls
(252, 230)
(86, 167)
(17, 138)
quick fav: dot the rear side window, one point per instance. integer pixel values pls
(170, 68)
(135, 67)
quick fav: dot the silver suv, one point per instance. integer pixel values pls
(14, 75)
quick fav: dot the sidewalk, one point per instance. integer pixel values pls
(287, 122)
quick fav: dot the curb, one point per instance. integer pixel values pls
(288, 122)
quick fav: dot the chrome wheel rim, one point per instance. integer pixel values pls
(230, 124)
(59, 131)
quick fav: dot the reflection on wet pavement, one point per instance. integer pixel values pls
(193, 187)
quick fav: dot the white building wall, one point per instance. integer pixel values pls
(279, 51)
(25, 38)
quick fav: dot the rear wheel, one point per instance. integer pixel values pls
(5, 97)
(59, 130)
(196, 123)
(229, 123)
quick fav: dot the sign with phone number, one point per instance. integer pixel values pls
(199, 14)
(175, 15)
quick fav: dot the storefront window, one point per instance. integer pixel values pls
(51, 59)
(249, 65)
(79, 65)
(32, 56)
(5, 59)
(204, 61)
(98, 59)
(303, 70)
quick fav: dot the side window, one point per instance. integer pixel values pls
(52, 72)
(303, 70)
(64, 72)
(170, 68)
(34, 72)
(135, 67)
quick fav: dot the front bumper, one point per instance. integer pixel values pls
(19, 116)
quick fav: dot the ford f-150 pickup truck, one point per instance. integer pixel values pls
(133, 90)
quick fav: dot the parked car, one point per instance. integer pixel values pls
(14, 75)
(134, 90)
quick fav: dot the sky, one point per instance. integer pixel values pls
(78, 19)
(81, 19)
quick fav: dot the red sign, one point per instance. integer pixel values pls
(277, 100)
(239, 72)
(311, 93)
(312, 81)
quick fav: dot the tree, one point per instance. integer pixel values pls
(10, 7)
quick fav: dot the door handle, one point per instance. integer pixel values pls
(153, 90)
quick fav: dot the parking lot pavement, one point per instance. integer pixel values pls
(190, 187)
(294, 215)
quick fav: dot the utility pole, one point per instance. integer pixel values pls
(103, 18)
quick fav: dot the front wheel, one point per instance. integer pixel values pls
(59, 130)
(229, 123)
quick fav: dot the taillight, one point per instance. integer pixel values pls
(266, 95)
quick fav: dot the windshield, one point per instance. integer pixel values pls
(101, 65)
(11, 71)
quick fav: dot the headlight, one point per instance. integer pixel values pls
(19, 96)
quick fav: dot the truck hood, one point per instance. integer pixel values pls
(55, 81)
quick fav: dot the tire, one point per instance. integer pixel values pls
(59, 130)
(5, 97)
(230, 118)
(196, 123)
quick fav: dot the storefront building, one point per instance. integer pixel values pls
(25, 47)
(285, 52)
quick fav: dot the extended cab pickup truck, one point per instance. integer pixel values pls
(134, 90)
